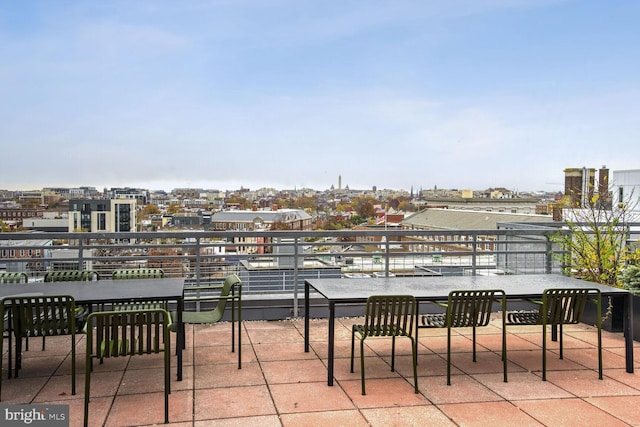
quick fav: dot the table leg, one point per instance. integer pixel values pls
(330, 352)
(306, 317)
(628, 332)
(180, 337)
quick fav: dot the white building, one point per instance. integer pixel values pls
(625, 187)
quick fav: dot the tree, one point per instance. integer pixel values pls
(364, 206)
(150, 210)
(279, 225)
(595, 249)
(241, 202)
(367, 210)
(174, 208)
(304, 202)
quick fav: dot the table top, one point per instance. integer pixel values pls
(102, 290)
(438, 287)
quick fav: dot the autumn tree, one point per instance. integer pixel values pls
(304, 202)
(149, 210)
(241, 202)
(364, 207)
(174, 208)
(595, 248)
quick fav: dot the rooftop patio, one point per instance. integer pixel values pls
(281, 385)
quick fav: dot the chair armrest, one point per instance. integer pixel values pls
(211, 298)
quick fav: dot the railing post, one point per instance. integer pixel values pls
(386, 255)
(80, 255)
(198, 261)
(548, 261)
(295, 276)
(474, 254)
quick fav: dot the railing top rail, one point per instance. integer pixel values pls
(225, 235)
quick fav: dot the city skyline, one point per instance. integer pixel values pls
(331, 188)
(397, 95)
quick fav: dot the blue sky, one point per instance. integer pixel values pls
(292, 93)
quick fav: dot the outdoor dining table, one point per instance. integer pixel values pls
(342, 291)
(107, 291)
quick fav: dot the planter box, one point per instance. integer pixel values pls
(615, 320)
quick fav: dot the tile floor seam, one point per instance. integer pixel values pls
(193, 372)
(49, 377)
(264, 377)
(339, 384)
(112, 398)
(573, 397)
(607, 395)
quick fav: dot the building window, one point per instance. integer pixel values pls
(102, 221)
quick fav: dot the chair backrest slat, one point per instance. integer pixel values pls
(41, 315)
(390, 315)
(124, 333)
(471, 308)
(566, 306)
(14, 277)
(71, 276)
(138, 273)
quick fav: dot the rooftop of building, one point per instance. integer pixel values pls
(281, 385)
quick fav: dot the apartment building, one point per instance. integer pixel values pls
(108, 215)
(13, 214)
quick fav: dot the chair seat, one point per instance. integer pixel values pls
(468, 309)
(380, 330)
(196, 317)
(434, 320)
(387, 316)
(524, 317)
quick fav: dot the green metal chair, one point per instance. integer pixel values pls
(562, 307)
(71, 276)
(127, 333)
(14, 277)
(11, 277)
(32, 316)
(468, 308)
(138, 273)
(82, 311)
(388, 316)
(222, 294)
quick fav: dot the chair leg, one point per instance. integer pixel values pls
(474, 343)
(544, 352)
(353, 333)
(18, 361)
(504, 338)
(233, 328)
(393, 353)
(599, 353)
(504, 352)
(1, 353)
(87, 387)
(362, 364)
(414, 351)
(448, 356)
(167, 382)
(9, 351)
(73, 364)
(239, 338)
(561, 344)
